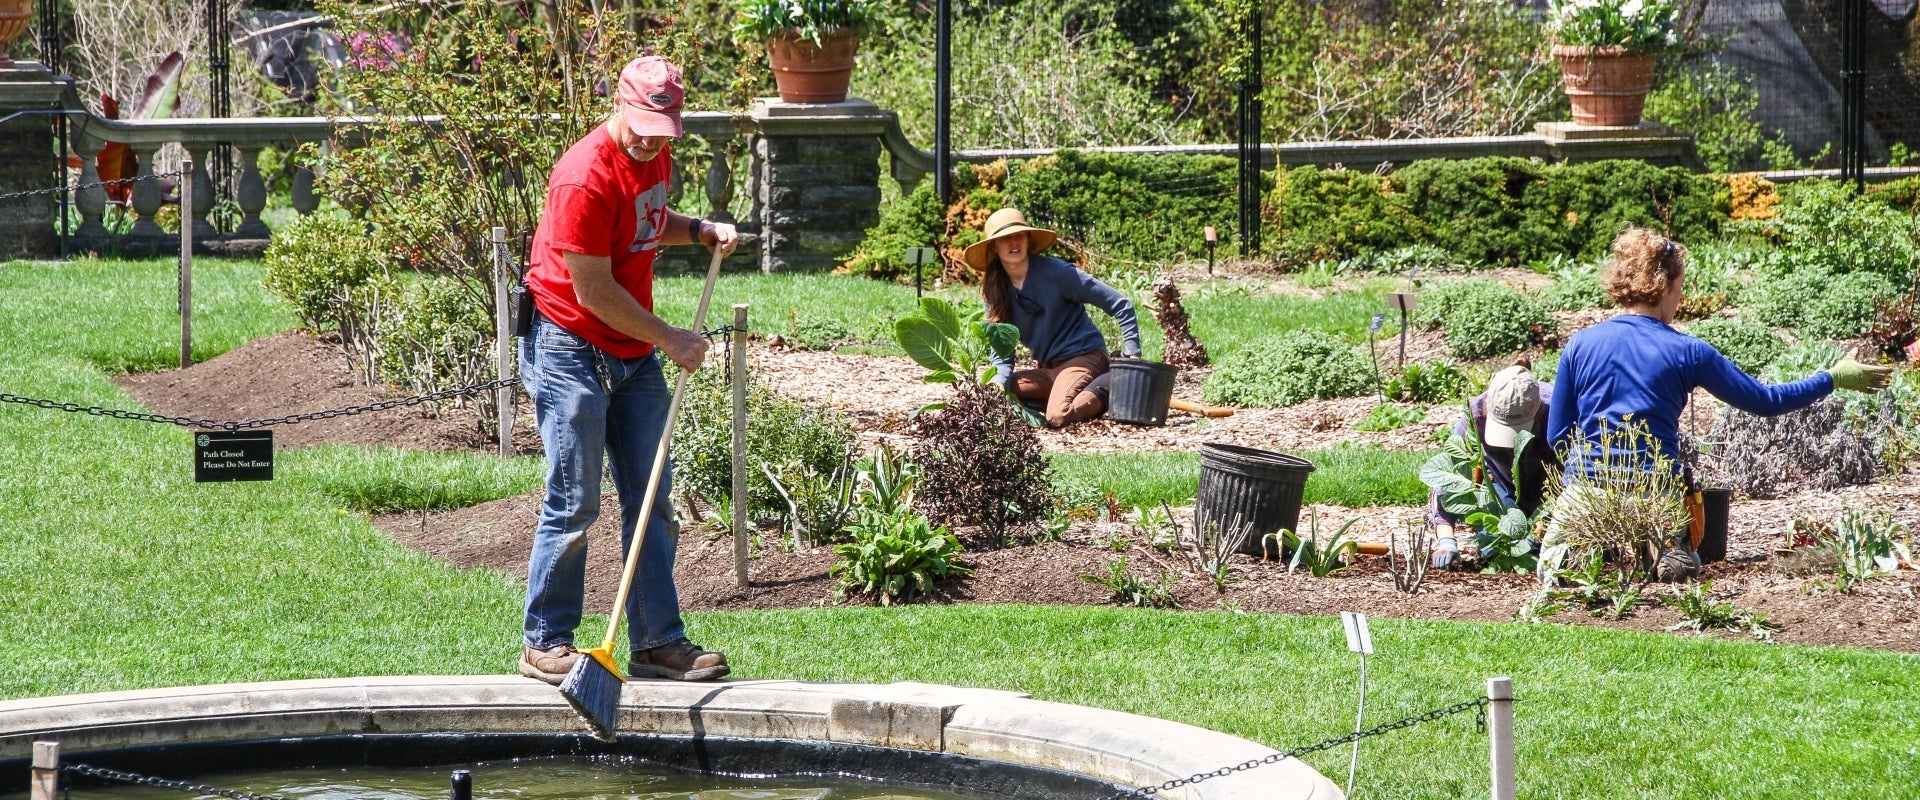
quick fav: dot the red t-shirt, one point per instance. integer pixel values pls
(600, 203)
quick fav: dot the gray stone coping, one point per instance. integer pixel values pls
(982, 723)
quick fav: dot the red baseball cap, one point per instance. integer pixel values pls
(651, 95)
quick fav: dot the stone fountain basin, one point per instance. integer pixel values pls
(986, 724)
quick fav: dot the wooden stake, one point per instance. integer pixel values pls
(502, 342)
(1500, 735)
(46, 761)
(186, 263)
(740, 446)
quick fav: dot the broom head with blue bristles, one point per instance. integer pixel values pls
(592, 687)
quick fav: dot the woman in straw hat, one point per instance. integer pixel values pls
(1047, 298)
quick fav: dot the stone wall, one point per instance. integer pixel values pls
(28, 162)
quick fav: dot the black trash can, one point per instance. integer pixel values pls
(1713, 539)
(1140, 391)
(1249, 493)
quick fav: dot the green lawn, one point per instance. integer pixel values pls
(1356, 476)
(118, 572)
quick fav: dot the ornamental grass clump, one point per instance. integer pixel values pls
(1623, 498)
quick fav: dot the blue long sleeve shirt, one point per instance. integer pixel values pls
(1635, 365)
(1050, 310)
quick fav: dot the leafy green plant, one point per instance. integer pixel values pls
(1861, 547)
(951, 345)
(1503, 534)
(1715, 102)
(1844, 309)
(1494, 322)
(1635, 24)
(1823, 226)
(1701, 613)
(1135, 590)
(1321, 559)
(786, 437)
(1602, 592)
(1286, 369)
(885, 482)
(1749, 345)
(318, 265)
(1538, 607)
(1425, 382)
(820, 504)
(1473, 208)
(895, 555)
(807, 19)
(1577, 287)
(1389, 417)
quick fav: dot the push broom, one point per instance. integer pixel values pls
(592, 687)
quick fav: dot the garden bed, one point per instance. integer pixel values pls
(290, 372)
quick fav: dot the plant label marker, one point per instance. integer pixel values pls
(220, 456)
(1359, 639)
(1404, 302)
(917, 256)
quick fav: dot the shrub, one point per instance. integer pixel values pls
(1135, 207)
(916, 221)
(1286, 369)
(1749, 345)
(790, 438)
(1442, 299)
(1844, 308)
(1425, 382)
(1781, 300)
(1579, 208)
(895, 555)
(980, 464)
(1822, 225)
(1902, 195)
(434, 334)
(1493, 321)
(1472, 208)
(317, 264)
(1714, 102)
(1338, 214)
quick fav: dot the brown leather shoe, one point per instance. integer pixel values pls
(680, 661)
(550, 665)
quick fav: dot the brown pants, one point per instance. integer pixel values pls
(1062, 385)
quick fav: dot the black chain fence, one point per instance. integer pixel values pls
(228, 425)
(100, 184)
(148, 780)
(1477, 705)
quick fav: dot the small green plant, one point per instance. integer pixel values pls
(1749, 345)
(1538, 607)
(1862, 547)
(1600, 591)
(895, 556)
(807, 19)
(317, 265)
(1577, 287)
(1388, 417)
(1426, 382)
(1155, 525)
(1134, 590)
(952, 345)
(885, 482)
(1286, 369)
(1320, 559)
(1701, 613)
(785, 435)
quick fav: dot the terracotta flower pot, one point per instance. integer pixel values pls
(15, 17)
(806, 73)
(1607, 85)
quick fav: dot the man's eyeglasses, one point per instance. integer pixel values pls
(1029, 305)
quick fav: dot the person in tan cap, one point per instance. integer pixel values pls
(1046, 298)
(591, 364)
(1514, 401)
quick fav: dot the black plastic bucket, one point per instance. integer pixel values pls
(1713, 540)
(1249, 494)
(1140, 391)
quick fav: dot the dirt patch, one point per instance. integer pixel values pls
(290, 373)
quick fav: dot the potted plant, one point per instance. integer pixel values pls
(15, 17)
(1606, 50)
(810, 43)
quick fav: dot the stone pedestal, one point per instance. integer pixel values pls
(29, 226)
(1651, 142)
(817, 187)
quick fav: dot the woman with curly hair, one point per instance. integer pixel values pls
(1635, 370)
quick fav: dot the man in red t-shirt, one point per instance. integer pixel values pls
(597, 387)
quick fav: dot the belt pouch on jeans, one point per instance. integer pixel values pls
(520, 310)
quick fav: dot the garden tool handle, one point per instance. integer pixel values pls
(659, 465)
(1209, 411)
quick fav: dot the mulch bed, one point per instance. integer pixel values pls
(291, 372)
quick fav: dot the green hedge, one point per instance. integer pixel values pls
(1129, 206)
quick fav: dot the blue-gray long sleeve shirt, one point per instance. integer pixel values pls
(1050, 311)
(1635, 365)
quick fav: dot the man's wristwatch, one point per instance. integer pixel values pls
(693, 229)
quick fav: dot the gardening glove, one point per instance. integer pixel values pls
(1855, 376)
(1444, 549)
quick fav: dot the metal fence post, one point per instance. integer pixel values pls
(502, 340)
(46, 770)
(739, 366)
(186, 263)
(1500, 735)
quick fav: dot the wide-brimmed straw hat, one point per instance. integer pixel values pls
(1006, 222)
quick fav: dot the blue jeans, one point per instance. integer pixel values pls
(597, 409)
